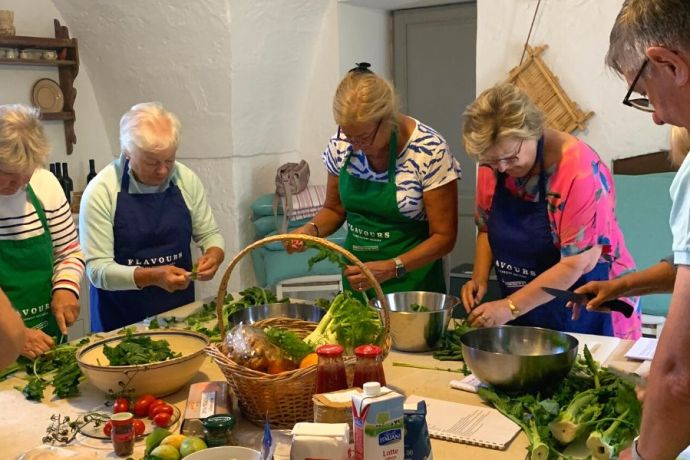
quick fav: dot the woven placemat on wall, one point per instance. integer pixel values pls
(536, 79)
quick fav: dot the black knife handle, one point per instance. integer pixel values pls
(618, 305)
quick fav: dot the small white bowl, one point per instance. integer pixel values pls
(160, 378)
(225, 453)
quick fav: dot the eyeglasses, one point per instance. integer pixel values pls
(639, 103)
(509, 160)
(359, 140)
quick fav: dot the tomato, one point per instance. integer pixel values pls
(162, 419)
(161, 408)
(121, 405)
(139, 427)
(108, 428)
(155, 403)
(142, 405)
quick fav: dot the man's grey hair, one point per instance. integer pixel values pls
(149, 127)
(641, 24)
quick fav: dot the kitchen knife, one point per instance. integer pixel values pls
(630, 377)
(582, 299)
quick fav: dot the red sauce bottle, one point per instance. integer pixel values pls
(369, 366)
(330, 370)
(122, 434)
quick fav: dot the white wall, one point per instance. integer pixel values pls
(35, 18)
(577, 34)
(366, 35)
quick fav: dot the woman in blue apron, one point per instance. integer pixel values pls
(144, 267)
(545, 207)
(393, 180)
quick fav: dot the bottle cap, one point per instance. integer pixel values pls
(372, 388)
(367, 351)
(329, 350)
(219, 421)
(122, 418)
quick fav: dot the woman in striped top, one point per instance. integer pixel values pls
(41, 263)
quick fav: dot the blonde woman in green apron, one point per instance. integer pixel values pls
(41, 264)
(393, 181)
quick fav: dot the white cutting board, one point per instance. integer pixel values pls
(600, 346)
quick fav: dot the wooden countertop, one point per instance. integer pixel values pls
(23, 423)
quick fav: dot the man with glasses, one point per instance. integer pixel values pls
(650, 46)
(393, 180)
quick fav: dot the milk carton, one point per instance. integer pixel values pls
(378, 423)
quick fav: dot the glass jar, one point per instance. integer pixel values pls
(330, 370)
(369, 366)
(218, 430)
(122, 434)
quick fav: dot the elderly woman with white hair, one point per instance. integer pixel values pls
(41, 263)
(138, 218)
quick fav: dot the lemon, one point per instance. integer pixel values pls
(173, 440)
(166, 452)
(191, 445)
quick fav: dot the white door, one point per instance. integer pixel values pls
(434, 71)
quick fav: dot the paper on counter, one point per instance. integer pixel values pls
(469, 383)
(643, 349)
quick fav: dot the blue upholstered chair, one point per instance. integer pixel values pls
(274, 267)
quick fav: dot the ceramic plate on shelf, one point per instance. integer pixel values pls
(92, 430)
(47, 95)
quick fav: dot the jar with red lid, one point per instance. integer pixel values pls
(369, 366)
(330, 370)
(122, 434)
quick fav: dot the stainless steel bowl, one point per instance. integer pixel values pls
(256, 313)
(418, 331)
(517, 358)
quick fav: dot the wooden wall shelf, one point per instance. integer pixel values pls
(67, 50)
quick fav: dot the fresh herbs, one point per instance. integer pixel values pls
(140, 349)
(323, 253)
(450, 347)
(417, 308)
(591, 404)
(57, 367)
(63, 430)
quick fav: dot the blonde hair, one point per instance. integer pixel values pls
(363, 97)
(644, 23)
(680, 145)
(499, 112)
(149, 127)
(23, 143)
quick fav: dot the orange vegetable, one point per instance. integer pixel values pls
(281, 365)
(309, 360)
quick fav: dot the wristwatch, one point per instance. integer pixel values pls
(399, 268)
(633, 449)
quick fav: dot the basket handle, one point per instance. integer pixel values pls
(222, 289)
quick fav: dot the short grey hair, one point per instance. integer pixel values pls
(23, 143)
(149, 127)
(644, 23)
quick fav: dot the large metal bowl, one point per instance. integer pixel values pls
(517, 358)
(418, 331)
(256, 313)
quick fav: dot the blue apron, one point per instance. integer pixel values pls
(150, 229)
(523, 248)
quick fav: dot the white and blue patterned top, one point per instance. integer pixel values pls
(424, 164)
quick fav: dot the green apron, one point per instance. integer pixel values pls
(26, 275)
(377, 230)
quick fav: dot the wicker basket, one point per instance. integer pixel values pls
(284, 398)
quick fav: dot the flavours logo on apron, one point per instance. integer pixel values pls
(154, 261)
(515, 271)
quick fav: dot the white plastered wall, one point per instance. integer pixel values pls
(577, 34)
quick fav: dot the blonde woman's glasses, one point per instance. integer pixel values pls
(509, 160)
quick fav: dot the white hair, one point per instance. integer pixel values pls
(148, 126)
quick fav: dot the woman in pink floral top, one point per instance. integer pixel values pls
(545, 214)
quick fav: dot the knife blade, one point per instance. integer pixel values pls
(630, 377)
(581, 299)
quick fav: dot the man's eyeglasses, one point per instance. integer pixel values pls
(360, 140)
(639, 103)
(506, 161)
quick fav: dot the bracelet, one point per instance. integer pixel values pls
(318, 233)
(633, 450)
(514, 311)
